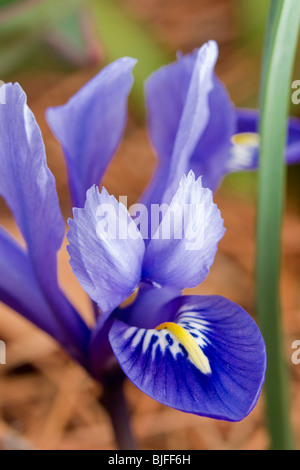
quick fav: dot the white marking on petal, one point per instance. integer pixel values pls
(137, 338)
(129, 332)
(147, 339)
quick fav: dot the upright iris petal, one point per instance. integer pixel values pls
(179, 111)
(213, 149)
(106, 250)
(183, 248)
(215, 152)
(168, 92)
(208, 358)
(25, 181)
(90, 126)
(28, 187)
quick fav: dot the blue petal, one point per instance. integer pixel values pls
(179, 112)
(209, 359)
(246, 157)
(247, 120)
(293, 145)
(106, 261)
(19, 288)
(211, 155)
(182, 250)
(90, 126)
(28, 187)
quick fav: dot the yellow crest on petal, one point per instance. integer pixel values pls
(248, 139)
(195, 353)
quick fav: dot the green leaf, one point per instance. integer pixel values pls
(280, 49)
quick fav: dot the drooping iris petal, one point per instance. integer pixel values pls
(28, 187)
(178, 106)
(245, 148)
(106, 249)
(182, 250)
(90, 126)
(209, 359)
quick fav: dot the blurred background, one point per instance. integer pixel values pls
(52, 48)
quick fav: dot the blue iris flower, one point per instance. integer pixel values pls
(199, 354)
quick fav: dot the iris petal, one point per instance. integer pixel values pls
(90, 126)
(210, 360)
(246, 157)
(211, 155)
(25, 181)
(182, 138)
(182, 250)
(179, 112)
(28, 187)
(19, 288)
(106, 261)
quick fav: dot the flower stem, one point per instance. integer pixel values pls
(280, 48)
(114, 401)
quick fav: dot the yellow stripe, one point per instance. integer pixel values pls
(196, 354)
(249, 139)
